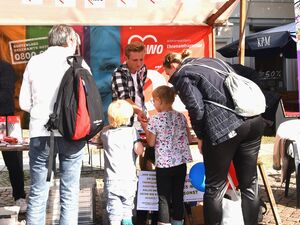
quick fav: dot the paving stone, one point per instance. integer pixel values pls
(86, 207)
(286, 205)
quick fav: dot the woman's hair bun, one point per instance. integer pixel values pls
(185, 53)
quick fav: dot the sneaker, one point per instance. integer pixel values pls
(127, 222)
(21, 202)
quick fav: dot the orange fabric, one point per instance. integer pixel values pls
(7, 34)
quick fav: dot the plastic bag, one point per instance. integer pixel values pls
(232, 208)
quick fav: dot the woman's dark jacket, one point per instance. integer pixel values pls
(195, 84)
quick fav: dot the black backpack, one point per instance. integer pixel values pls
(77, 112)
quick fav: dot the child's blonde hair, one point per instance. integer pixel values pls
(165, 93)
(119, 113)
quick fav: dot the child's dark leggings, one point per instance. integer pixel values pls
(170, 184)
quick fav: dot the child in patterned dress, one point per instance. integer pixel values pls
(169, 133)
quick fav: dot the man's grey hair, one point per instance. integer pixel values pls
(60, 34)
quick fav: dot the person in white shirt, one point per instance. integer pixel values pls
(41, 81)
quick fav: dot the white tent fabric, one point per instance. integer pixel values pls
(111, 12)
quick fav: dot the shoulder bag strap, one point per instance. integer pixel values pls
(220, 105)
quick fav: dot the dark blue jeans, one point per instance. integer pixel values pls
(170, 184)
(243, 150)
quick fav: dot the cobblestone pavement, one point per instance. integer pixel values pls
(286, 206)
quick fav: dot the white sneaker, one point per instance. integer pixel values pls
(21, 202)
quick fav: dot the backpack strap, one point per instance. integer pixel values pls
(57, 105)
(224, 73)
(90, 153)
(51, 156)
(220, 105)
(223, 64)
(75, 61)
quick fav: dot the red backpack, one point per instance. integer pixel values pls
(77, 113)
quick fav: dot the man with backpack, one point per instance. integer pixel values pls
(41, 81)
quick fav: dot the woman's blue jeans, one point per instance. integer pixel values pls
(70, 159)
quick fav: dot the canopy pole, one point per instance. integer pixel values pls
(213, 52)
(212, 19)
(242, 32)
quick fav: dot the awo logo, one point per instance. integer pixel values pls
(150, 48)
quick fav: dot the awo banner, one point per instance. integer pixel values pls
(161, 40)
(102, 48)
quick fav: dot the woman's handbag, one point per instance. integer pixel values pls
(232, 207)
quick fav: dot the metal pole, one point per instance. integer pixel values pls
(242, 32)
